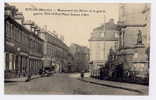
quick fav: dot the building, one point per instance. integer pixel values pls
(102, 39)
(137, 33)
(81, 58)
(135, 15)
(28, 48)
(23, 48)
(56, 52)
(131, 60)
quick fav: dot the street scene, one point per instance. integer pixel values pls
(77, 48)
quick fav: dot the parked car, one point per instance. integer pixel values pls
(46, 71)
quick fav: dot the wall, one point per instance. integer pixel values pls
(135, 14)
(99, 51)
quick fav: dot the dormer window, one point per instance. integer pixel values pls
(102, 34)
(135, 55)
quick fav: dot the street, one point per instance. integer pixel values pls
(68, 84)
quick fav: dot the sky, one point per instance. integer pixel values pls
(75, 29)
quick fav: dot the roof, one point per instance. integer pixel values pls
(9, 18)
(103, 39)
(105, 32)
(108, 35)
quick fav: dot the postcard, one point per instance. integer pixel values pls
(77, 48)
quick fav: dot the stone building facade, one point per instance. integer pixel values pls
(81, 58)
(136, 36)
(23, 48)
(131, 60)
(29, 48)
(102, 39)
(135, 14)
(56, 52)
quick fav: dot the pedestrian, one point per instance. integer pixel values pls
(82, 74)
(40, 71)
(28, 77)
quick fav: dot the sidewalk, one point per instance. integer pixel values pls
(141, 89)
(21, 79)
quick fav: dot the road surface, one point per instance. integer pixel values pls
(66, 84)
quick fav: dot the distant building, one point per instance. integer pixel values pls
(81, 57)
(102, 39)
(56, 52)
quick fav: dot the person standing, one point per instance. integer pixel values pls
(28, 74)
(82, 74)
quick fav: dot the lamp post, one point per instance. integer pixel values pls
(18, 71)
(123, 38)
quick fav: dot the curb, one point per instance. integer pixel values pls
(21, 79)
(114, 86)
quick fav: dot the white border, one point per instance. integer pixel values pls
(2, 47)
(90, 1)
(152, 89)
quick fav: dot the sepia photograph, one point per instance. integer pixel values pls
(76, 48)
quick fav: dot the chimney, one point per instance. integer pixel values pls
(10, 10)
(54, 33)
(42, 33)
(33, 27)
(37, 30)
(19, 17)
(62, 38)
(28, 24)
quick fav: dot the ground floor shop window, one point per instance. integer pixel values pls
(10, 61)
(6, 61)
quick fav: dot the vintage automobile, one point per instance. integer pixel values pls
(47, 71)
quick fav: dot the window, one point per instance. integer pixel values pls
(20, 33)
(146, 18)
(7, 61)
(14, 32)
(18, 36)
(102, 34)
(8, 28)
(30, 43)
(116, 35)
(23, 38)
(11, 32)
(135, 55)
(26, 40)
(39, 47)
(35, 43)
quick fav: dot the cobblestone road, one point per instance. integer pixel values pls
(68, 84)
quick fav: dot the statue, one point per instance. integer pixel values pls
(139, 39)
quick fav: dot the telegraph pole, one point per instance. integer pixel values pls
(104, 35)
